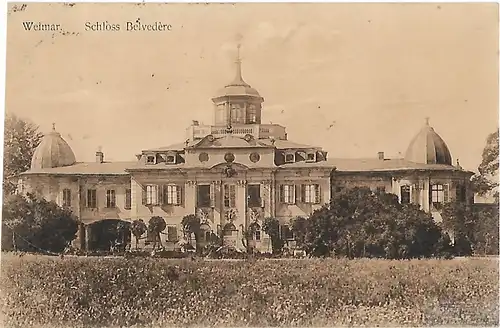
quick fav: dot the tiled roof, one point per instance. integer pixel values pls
(341, 165)
(375, 164)
(177, 146)
(106, 168)
(285, 144)
(230, 141)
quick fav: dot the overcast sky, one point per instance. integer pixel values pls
(354, 79)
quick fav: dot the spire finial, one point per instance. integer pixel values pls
(53, 126)
(238, 78)
(427, 121)
(238, 58)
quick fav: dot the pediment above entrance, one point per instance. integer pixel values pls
(227, 141)
(235, 166)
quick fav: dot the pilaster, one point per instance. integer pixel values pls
(190, 197)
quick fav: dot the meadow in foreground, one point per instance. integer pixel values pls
(146, 292)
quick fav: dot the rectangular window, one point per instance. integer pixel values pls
(310, 194)
(437, 193)
(128, 199)
(203, 195)
(92, 198)
(252, 116)
(66, 198)
(151, 159)
(172, 233)
(287, 194)
(150, 194)
(254, 199)
(405, 195)
(257, 234)
(229, 196)
(110, 199)
(172, 195)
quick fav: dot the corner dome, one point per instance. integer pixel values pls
(53, 151)
(427, 147)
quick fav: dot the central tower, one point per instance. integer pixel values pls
(237, 103)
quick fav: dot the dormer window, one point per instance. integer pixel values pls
(170, 159)
(311, 157)
(151, 159)
(289, 158)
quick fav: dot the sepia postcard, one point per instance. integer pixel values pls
(250, 164)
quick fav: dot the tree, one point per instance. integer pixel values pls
(475, 228)
(360, 223)
(271, 226)
(192, 226)
(138, 228)
(156, 225)
(37, 224)
(21, 138)
(458, 219)
(299, 229)
(486, 233)
(486, 181)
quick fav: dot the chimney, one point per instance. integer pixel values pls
(99, 156)
(381, 155)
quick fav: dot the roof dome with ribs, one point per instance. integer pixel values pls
(53, 151)
(428, 147)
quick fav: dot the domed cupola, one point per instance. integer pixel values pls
(427, 147)
(52, 151)
(237, 102)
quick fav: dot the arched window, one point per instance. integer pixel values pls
(251, 114)
(228, 229)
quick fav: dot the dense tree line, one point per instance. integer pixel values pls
(362, 223)
(31, 223)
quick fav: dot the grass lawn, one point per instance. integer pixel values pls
(42, 291)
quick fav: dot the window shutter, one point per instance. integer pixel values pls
(282, 194)
(212, 195)
(294, 193)
(446, 193)
(83, 198)
(144, 195)
(158, 200)
(317, 194)
(303, 189)
(179, 195)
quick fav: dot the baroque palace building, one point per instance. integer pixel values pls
(233, 174)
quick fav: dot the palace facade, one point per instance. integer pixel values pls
(233, 174)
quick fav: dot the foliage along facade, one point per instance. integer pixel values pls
(234, 174)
